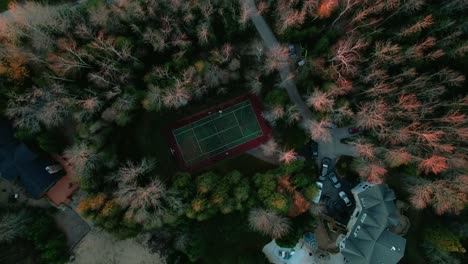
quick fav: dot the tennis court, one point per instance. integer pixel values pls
(218, 132)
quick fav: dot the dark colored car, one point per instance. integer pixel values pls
(325, 168)
(292, 51)
(314, 149)
(334, 179)
(354, 130)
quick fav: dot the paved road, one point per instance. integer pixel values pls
(332, 149)
(270, 41)
(74, 227)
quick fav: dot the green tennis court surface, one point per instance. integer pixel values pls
(218, 132)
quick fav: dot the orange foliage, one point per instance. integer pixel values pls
(284, 184)
(327, 7)
(14, 66)
(109, 208)
(300, 205)
(92, 203)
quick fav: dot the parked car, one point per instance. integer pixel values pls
(319, 194)
(324, 171)
(314, 149)
(354, 130)
(334, 179)
(292, 51)
(345, 198)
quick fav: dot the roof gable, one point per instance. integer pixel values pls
(369, 235)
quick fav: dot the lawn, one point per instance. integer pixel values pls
(231, 241)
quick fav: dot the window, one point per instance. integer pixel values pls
(363, 218)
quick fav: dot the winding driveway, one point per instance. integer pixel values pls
(332, 149)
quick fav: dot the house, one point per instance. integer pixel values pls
(369, 239)
(19, 164)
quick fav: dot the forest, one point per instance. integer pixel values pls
(98, 81)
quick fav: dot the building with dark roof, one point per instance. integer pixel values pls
(369, 240)
(19, 164)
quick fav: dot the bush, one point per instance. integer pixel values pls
(278, 202)
(24, 135)
(51, 141)
(276, 97)
(47, 238)
(290, 240)
(299, 35)
(321, 47)
(310, 191)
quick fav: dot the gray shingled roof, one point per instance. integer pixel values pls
(18, 162)
(369, 240)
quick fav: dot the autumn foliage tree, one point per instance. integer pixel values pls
(445, 196)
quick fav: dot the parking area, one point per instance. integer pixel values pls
(335, 206)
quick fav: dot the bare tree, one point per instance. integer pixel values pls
(320, 101)
(153, 98)
(318, 131)
(48, 106)
(290, 18)
(397, 157)
(434, 164)
(156, 39)
(83, 158)
(288, 156)
(347, 55)
(445, 196)
(132, 171)
(372, 115)
(176, 96)
(370, 171)
(276, 58)
(418, 26)
(153, 197)
(269, 223)
(270, 148)
(12, 225)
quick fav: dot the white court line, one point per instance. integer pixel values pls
(219, 132)
(212, 120)
(261, 133)
(198, 141)
(238, 124)
(179, 145)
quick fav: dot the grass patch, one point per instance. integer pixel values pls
(244, 163)
(231, 241)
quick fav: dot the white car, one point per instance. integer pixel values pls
(345, 198)
(319, 194)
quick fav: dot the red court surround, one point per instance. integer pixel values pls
(257, 107)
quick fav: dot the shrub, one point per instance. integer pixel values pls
(276, 97)
(278, 202)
